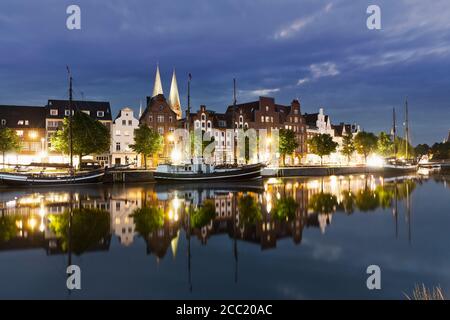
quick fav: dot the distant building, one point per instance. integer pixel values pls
(122, 136)
(29, 124)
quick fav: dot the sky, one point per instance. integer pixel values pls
(320, 52)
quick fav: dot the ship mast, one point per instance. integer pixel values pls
(394, 131)
(70, 119)
(234, 121)
(406, 130)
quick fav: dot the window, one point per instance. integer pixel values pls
(222, 123)
(150, 118)
(53, 124)
(67, 112)
(130, 122)
(271, 119)
(262, 118)
(160, 118)
(3, 122)
(161, 130)
(87, 112)
(127, 133)
(117, 146)
(100, 114)
(209, 124)
(241, 119)
(295, 111)
(296, 120)
(267, 108)
(53, 112)
(27, 122)
(124, 122)
(20, 123)
(170, 119)
(117, 132)
(19, 133)
(171, 129)
(267, 119)
(197, 124)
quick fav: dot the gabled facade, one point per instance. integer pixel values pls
(122, 136)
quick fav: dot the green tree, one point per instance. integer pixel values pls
(285, 208)
(385, 146)
(9, 141)
(288, 143)
(323, 203)
(249, 209)
(88, 228)
(422, 150)
(148, 219)
(146, 142)
(441, 151)
(348, 146)
(204, 214)
(322, 145)
(366, 143)
(89, 136)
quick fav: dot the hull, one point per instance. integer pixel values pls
(36, 180)
(238, 174)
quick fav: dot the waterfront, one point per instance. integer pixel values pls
(284, 239)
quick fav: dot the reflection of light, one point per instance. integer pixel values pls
(170, 215)
(313, 184)
(19, 224)
(375, 161)
(176, 204)
(170, 137)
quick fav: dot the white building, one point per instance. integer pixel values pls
(122, 137)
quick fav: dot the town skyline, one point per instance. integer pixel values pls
(278, 55)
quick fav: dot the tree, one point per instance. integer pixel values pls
(385, 146)
(400, 147)
(285, 209)
(9, 141)
(422, 150)
(204, 214)
(89, 136)
(148, 219)
(348, 146)
(441, 151)
(322, 145)
(365, 143)
(86, 229)
(249, 210)
(146, 142)
(288, 143)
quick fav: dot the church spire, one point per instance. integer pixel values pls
(157, 89)
(174, 96)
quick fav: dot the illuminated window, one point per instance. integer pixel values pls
(262, 118)
(3, 122)
(20, 122)
(53, 112)
(87, 112)
(117, 132)
(67, 112)
(160, 118)
(161, 130)
(27, 122)
(100, 114)
(19, 133)
(117, 146)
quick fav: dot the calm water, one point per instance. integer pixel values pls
(282, 239)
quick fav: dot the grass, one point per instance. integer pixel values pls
(421, 292)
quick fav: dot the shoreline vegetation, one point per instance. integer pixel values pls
(421, 292)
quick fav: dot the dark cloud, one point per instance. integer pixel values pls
(319, 51)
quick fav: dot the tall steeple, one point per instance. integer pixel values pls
(157, 89)
(174, 96)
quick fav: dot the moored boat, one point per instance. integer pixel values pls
(206, 172)
(17, 179)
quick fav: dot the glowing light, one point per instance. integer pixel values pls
(33, 134)
(375, 161)
(171, 138)
(32, 223)
(175, 156)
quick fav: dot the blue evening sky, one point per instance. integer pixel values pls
(318, 51)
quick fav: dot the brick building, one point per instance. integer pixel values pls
(266, 114)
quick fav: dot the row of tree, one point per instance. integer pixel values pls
(438, 151)
(363, 143)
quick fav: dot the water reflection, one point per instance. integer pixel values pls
(274, 210)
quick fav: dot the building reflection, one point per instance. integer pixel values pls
(277, 209)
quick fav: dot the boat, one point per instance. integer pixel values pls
(40, 179)
(203, 172)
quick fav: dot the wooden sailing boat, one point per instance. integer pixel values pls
(41, 179)
(404, 166)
